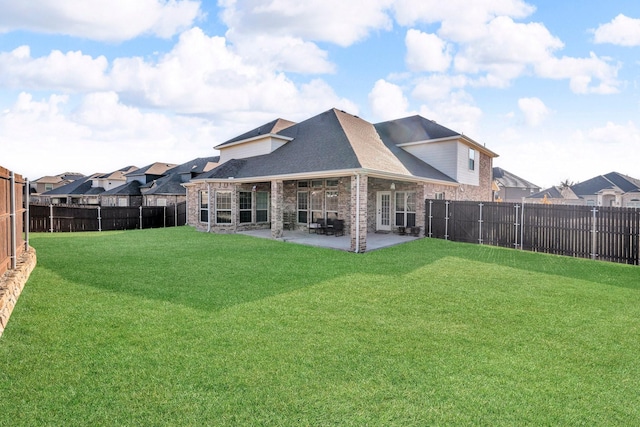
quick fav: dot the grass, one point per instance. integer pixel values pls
(176, 327)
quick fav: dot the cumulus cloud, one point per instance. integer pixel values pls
(115, 20)
(534, 110)
(335, 21)
(71, 71)
(95, 135)
(622, 30)
(426, 52)
(387, 101)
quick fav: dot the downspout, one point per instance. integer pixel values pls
(208, 207)
(357, 213)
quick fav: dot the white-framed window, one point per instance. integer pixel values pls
(262, 206)
(303, 207)
(439, 196)
(223, 207)
(245, 206)
(161, 202)
(317, 199)
(634, 203)
(472, 159)
(405, 209)
(204, 206)
(123, 202)
(48, 187)
(331, 183)
(331, 204)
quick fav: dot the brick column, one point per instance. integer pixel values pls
(277, 206)
(359, 185)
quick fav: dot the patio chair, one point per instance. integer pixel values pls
(338, 227)
(318, 227)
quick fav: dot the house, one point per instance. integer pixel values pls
(78, 192)
(112, 180)
(510, 187)
(168, 190)
(374, 177)
(612, 189)
(556, 195)
(130, 193)
(48, 183)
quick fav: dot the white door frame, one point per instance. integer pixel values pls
(383, 211)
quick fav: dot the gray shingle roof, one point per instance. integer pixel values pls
(335, 140)
(609, 181)
(274, 126)
(412, 129)
(507, 179)
(77, 187)
(129, 189)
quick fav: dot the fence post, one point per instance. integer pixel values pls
(175, 212)
(480, 225)
(99, 219)
(164, 217)
(446, 220)
(12, 220)
(522, 226)
(430, 217)
(517, 207)
(26, 214)
(140, 217)
(594, 231)
(50, 218)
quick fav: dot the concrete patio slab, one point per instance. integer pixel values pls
(374, 240)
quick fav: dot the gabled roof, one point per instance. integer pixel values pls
(507, 179)
(605, 182)
(77, 187)
(129, 189)
(331, 141)
(54, 179)
(272, 127)
(119, 174)
(172, 182)
(157, 168)
(555, 192)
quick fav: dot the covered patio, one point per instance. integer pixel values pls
(374, 240)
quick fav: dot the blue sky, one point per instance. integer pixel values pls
(94, 86)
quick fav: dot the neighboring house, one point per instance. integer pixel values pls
(512, 188)
(612, 189)
(48, 183)
(335, 165)
(131, 192)
(78, 192)
(114, 179)
(556, 195)
(168, 190)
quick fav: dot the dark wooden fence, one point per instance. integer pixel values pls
(13, 236)
(55, 218)
(605, 233)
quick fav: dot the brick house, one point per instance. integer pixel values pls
(375, 177)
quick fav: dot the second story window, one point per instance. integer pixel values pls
(472, 159)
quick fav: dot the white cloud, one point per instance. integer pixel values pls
(458, 112)
(622, 30)
(114, 20)
(581, 72)
(72, 71)
(387, 101)
(101, 135)
(460, 20)
(335, 21)
(426, 52)
(438, 86)
(534, 110)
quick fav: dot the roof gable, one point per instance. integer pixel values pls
(507, 179)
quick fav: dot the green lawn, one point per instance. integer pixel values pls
(175, 327)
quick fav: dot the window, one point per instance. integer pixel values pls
(204, 206)
(472, 159)
(303, 206)
(161, 202)
(439, 196)
(316, 183)
(223, 207)
(332, 183)
(405, 209)
(245, 206)
(634, 203)
(316, 205)
(331, 204)
(303, 184)
(48, 187)
(262, 206)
